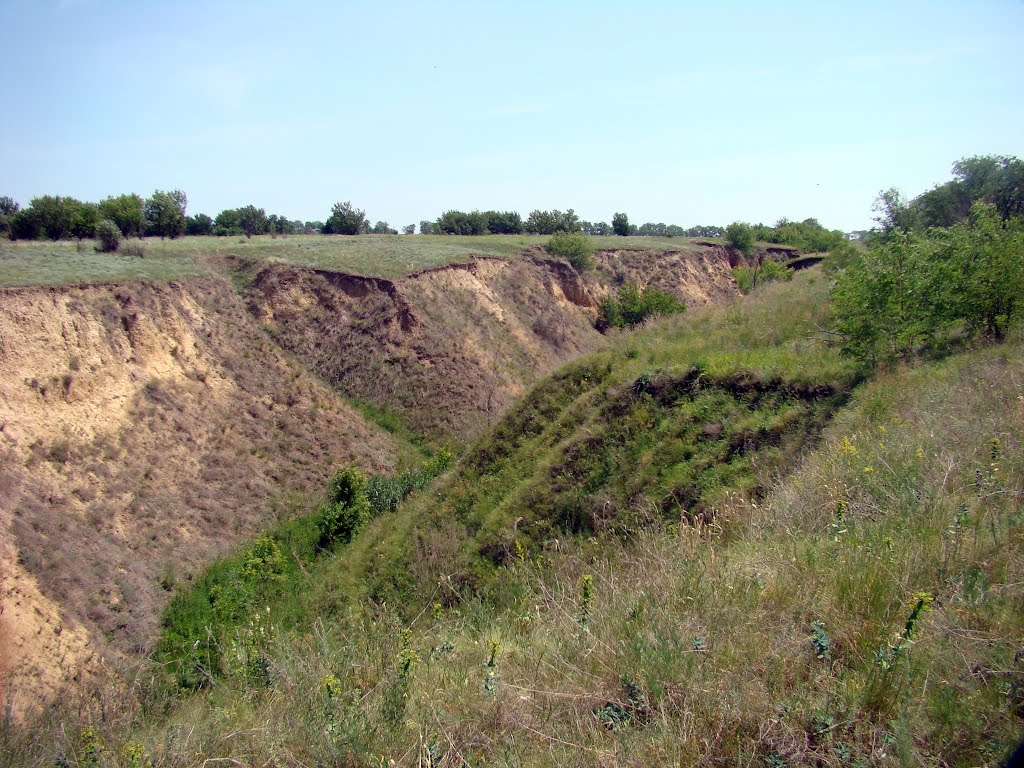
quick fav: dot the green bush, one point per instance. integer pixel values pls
(914, 292)
(748, 278)
(740, 236)
(346, 510)
(109, 236)
(633, 306)
(576, 247)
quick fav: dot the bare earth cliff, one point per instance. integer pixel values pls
(145, 429)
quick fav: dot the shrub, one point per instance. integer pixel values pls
(748, 278)
(109, 236)
(633, 306)
(576, 247)
(346, 509)
(740, 236)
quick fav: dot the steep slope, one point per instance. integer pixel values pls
(143, 430)
(448, 350)
(856, 603)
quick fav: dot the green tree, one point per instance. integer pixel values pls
(252, 220)
(346, 220)
(884, 302)
(893, 213)
(426, 227)
(988, 271)
(409, 229)
(549, 222)
(228, 222)
(461, 223)
(504, 222)
(84, 221)
(127, 211)
(55, 215)
(620, 224)
(740, 236)
(165, 213)
(199, 224)
(383, 228)
(8, 208)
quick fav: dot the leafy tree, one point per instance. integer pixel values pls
(26, 224)
(313, 227)
(549, 222)
(504, 222)
(740, 236)
(199, 224)
(885, 301)
(383, 228)
(620, 224)
(252, 220)
(573, 246)
(109, 236)
(55, 216)
(461, 223)
(165, 213)
(228, 223)
(346, 220)
(409, 229)
(84, 221)
(766, 271)
(127, 211)
(987, 271)
(8, 208)
(426, 227)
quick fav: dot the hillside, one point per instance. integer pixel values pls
(449, 349)
(730, 596)
(708, 543)
(144, 429)
(149, 426)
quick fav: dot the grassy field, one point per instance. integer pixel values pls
(390, 256)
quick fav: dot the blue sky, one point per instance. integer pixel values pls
(681, 112)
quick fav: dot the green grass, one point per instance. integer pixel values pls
(389, 256)
(65, 263)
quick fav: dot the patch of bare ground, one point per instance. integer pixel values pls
(448, 350)
(144, 429)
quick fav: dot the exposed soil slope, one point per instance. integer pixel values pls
(143, 429)
(448, 350)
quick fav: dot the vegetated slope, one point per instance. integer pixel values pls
(863, 608)
(666, 424)
(143, 430)
(448, 350)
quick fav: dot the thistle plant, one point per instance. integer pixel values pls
(491, 668)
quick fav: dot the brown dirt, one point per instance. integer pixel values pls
(448, 350)
(143, 431)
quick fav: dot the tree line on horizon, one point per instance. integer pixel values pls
(995, 180)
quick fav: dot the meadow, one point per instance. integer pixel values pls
(25, 263)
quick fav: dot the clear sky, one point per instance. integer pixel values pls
(684, 113)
